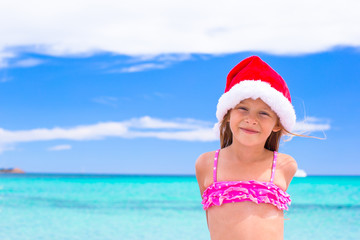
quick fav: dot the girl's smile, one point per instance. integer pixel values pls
(249, 131)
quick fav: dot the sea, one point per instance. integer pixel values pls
(113, 207)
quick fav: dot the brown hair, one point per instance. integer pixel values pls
(272, 142)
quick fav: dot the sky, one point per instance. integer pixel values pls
(120, 87)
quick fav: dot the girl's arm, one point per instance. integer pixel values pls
(288, 167)
(201, 169)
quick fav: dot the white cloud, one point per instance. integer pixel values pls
(202, 135)
(4, 56)
(60, 147)
(144, 127)
(179, 57)
(312, 124)
(300, 173)
(145, 62)
(29, 62)
(141, 67)
(141, 27)
(132, 128)
(89, 132)
(154, 123)
(9, 59)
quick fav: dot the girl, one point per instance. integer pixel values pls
(243, 184)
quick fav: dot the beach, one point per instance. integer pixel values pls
(79, 206)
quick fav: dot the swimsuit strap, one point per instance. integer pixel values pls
(273, 167)
(215, 163)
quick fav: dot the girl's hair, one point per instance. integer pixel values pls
(272, 142)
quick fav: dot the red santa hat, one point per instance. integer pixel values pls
(253, 78)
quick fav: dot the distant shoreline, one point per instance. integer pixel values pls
(11, 170)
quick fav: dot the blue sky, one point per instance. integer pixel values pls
(75, 104)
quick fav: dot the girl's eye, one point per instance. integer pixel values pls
(264, 113)
(242, 108)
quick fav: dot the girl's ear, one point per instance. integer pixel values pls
(277, 127)
(227, 116)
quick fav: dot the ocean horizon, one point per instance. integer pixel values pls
(157, 206)
(158, 174)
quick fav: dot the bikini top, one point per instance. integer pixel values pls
(222, 192)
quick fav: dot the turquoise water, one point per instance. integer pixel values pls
(66, 207)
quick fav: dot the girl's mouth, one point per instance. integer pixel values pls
(249, 131)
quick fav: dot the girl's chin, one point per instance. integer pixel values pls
(248, 142)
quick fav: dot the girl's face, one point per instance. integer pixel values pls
(252, 121)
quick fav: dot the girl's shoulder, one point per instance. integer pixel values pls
(203, 169)
(286, 161)
(205, 161)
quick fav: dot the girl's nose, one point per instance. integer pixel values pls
(251, 121)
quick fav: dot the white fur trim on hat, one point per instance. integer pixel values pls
(257, 89)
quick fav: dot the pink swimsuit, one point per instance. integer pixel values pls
(222, 192)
